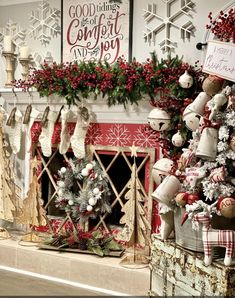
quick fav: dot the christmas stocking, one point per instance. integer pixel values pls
(78, 137)
(66, 114)
(14, 131)
(47, 132)
(33, 116)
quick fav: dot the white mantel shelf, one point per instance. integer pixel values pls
(101, 112)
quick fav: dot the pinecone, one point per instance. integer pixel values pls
(82, 244)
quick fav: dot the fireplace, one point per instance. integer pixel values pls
(110, 146)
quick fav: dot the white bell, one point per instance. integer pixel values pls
(207, 147)
(92, 201)
(177, 140)
(166, 191)
(161, 169)
(199, 103)
(159, 120)
(185, 80)
(191, 119)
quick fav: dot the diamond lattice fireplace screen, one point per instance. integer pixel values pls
(116, 162)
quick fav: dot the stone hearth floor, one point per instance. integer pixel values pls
(103, 275)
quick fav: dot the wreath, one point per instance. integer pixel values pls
(83, 190)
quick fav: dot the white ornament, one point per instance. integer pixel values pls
(219, 100)
(177, 140)
(89, 166)
(161, 169)
(63, 170)
(191, 119)
(92, 201)
(84, 172)
(185, 80)
(70, 202)
(96, 191)
(159, 120)
(89, 208)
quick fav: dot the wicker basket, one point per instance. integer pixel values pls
(185, 236)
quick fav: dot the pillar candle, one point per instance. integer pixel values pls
(7, 43)
(24, 52)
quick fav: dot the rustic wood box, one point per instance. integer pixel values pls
(180, 272)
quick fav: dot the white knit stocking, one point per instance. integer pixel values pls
(66, 115)
(78, 137)
(15, 131)
(33, 116)
(46, 134)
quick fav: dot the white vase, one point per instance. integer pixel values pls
(207, 147)
(167, 190)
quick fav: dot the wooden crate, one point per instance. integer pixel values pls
(180, 272)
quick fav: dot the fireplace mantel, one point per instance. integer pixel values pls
(102, 113)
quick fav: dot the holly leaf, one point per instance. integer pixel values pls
(113, 245)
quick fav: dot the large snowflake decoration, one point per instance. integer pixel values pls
(94, 135)
(45, 23)
(15, 31)
(145, 138)
(167, 22)
(118, 135)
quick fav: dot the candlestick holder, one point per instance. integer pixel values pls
(10, 67)
(25, 62)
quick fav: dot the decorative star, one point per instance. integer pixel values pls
(134, 150)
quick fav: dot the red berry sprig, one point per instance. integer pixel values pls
(224, 26)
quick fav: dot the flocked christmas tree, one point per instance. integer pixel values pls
(137, 229)
(209, 161)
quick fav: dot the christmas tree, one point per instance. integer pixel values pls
(137, 229)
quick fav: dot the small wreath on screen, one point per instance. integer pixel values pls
(83, 189)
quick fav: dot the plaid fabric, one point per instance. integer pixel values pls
(212, 237)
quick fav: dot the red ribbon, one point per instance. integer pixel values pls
(210, 124)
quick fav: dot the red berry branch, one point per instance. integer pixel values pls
(224, 26)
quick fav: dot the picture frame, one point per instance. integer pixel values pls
(96, 30)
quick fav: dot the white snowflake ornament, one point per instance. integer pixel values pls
(44, 23)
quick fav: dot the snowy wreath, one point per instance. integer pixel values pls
(83, 189)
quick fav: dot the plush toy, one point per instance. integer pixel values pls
(212, 237)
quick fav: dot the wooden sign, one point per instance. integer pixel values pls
(220, 60)
(96, 30)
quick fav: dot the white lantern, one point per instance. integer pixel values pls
(207, 147)
(177, 140)
(167, 190)
(161, 169)
(199, 103)
(185, 80)
(159, 120)
(191, 119)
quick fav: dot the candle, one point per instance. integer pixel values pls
(24, 52)
(7, 43)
